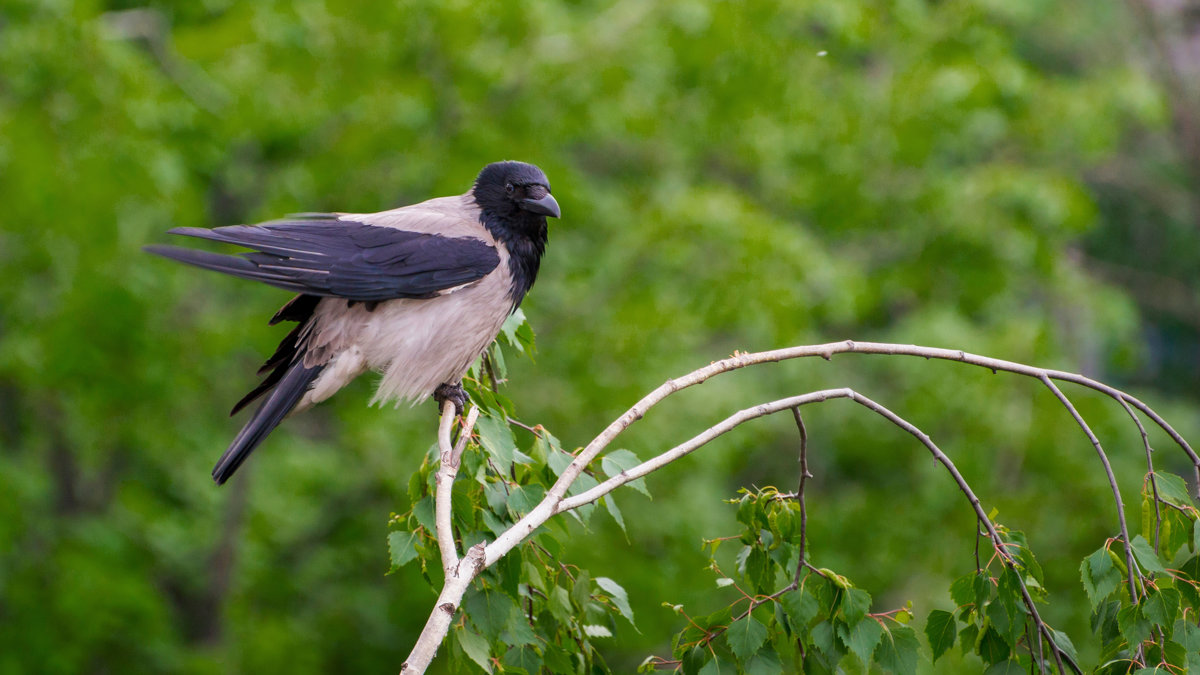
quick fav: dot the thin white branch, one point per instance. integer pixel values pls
(447, 470)
(827, 351)
(438, 625)
(697, 441)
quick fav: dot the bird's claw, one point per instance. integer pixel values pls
(453, 393)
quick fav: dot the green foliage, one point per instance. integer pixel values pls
(1149, 631)
(1000, 177)
(786, 614)
(532, 611)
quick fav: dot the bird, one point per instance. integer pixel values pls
(416, 293)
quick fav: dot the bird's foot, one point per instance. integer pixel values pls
(453, 393)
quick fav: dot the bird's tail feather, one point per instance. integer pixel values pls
(286, 394)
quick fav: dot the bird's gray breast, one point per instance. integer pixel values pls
(417, 344)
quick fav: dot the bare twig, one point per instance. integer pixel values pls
(1112, 482)
(804, 475)
(1150, 473)
(997, 542)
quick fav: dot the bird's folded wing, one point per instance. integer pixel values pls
(340, 258)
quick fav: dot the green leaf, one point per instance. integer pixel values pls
(1135, 628)
(511, 330)
(782, 523)
(1172, 489)
(619, 597)
(423, 512)
(897, 650)
(403, 548)
(1146, 556)
(613, 463)
(862, 638)
(718, 620)
(581, 592)
(968, 638)
(559, 604)
(1100, 577)
(718, 666)
(759, 570)
(694, 659)
(1064, 644)
(962, 591)
(518, 631)
(1009, 667)
(1162, 606)
(855, 605)
(992, 647)
(825, 639)
(1005, 620)
(523, 498)
(801, 608)
(497, 440)
(750, 513)
(610, 505)
(525, 658)
(1176, 532)
(941, 630)
(475, 646)
(1188, 635)
(489, 611)
(984, 589)
(556, 659)
(745, 637)
(765, 662)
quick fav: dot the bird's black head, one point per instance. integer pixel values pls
(514, 200)
(514, 191)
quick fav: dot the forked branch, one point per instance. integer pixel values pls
(460, 572)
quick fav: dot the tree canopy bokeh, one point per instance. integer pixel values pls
(1011, 178)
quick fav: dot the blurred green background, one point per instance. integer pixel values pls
(1018, 178)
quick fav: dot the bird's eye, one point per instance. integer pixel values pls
(509, 188)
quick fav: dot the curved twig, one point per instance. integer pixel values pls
(1112, 482)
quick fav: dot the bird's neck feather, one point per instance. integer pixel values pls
(524, 235)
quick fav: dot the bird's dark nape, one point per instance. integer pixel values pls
(287, 393)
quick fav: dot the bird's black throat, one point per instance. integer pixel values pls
(524, 234)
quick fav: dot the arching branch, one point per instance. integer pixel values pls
(460, 572)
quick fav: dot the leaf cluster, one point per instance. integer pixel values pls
(1151, 627)
(786, 615)
(531, 612)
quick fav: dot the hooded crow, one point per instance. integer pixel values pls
(416, 293)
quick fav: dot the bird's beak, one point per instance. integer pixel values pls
(546, 206)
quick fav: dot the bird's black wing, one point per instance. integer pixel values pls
(339, 258)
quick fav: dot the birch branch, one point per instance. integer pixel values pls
(460, 573)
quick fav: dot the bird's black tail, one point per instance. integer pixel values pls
(286, 394)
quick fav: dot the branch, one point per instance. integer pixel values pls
(450, 456)
(442, 503)
(804, 476)
(1130, 565)
(460, 573)
(827, 351)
